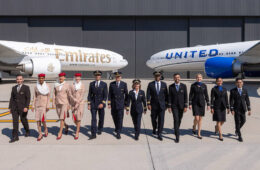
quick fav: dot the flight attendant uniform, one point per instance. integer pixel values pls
(198, 98)
(138, 105)
(219, 102)
(61, 98)
(77, 91)
(41, 101)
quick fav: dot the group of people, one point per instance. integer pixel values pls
(157, 99)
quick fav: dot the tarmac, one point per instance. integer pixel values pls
(108, 153)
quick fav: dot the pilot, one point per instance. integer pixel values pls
(239, 105)
(219, 105)
(117, 101)
(197, 97)
(138, 105)
(41, 102)
(19, 106)
(178, 103)
(60, 99)
(77, 91)
(97, 97)
(157, 101)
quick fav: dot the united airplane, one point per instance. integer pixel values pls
(219, 60)
(35, 58)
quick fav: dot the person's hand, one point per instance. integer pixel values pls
(190, 107)
(185, 109)
(169, 110)
(25, 110)
(47, 109)
(89, 107)
(100, 106)
(212, 111)
(208, 108)
(149, 107)
(228, 111)
(109, 106)
(32, 109)
(232, 112)
(249, 113)
(10, 111)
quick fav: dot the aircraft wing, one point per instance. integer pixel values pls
(252, 55)
(9, 55)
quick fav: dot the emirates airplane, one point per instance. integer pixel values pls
(35, 58)
(219, 60)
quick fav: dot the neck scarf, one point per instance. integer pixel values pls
(60, 85)
(43, 88)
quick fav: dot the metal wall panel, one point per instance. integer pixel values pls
(154, 34)
(112, 33)
(204, 31)
(58, 30)
(252, 28)
(13, 28)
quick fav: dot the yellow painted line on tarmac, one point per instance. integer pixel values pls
(30, 120)
(4, 114)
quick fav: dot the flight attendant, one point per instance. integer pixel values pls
(157, 102)
(41, 102)
(198, 98)
(77, 91)
(219, 105)
(117, 101)
(97, 97)
(239, 105)
(178, 103)
(61, 98)
(138, 105)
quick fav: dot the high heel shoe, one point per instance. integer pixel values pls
(58, 138)
(200, 137)
(39, 139)
(46, 134)
(76, 137)
(221, 139)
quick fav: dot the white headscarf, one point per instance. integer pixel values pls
(77, 85)
(58, 84)
(43, 88)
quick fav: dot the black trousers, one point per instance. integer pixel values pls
(101, 115)
(23, 117)
(157, 117)
(136, 117)
(177, 117)
(118, 116)
(240, 120)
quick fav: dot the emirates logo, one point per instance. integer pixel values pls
(50, 67)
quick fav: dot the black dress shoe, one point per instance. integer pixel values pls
(14, 140)
(154, 132)
(27, 134)
(160, 137)
(240, 139)
(236, 133)
(66, 131)
(93, 137)
(136, 137)
(99, 132)
(177, 140)
(118, 136)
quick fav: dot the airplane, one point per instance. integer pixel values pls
(220, 60)
(35, 58)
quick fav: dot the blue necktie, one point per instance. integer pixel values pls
(240, 91)
(220, 88)
(177, 87)
(157, 89)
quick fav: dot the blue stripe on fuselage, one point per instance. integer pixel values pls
(185, 54)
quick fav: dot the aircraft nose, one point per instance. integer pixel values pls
(124, 62)
(149, 63)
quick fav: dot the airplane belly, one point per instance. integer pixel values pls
(191, 66)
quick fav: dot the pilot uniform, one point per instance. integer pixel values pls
(198, 98)
(138, 105)
(178, 100)
(157, 97)
(219, 102)
(20, 99)
(97, 95)
(118, 98)
(239, 103)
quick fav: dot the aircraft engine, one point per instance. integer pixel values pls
(49, 66)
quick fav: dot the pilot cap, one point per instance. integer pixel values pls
(77, 74)
(136, 81)
(62, 74)
(41, 75)
(118, 73)
(157, 73)
(97, 73)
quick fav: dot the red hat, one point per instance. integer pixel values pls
(77, 74)
(41, 75)
(62, 74)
